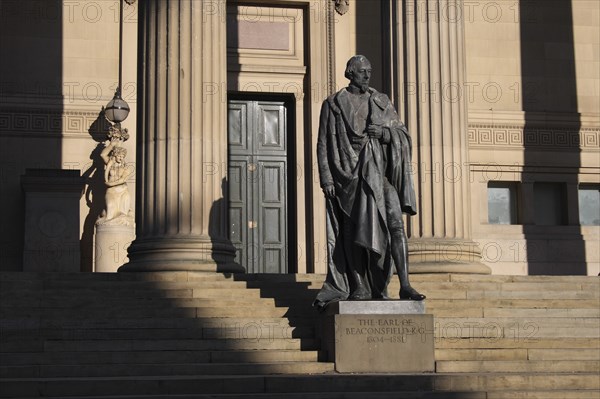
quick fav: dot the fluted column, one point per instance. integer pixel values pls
(182, 142)
(431, 77)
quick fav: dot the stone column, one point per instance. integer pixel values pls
(181, 208)
(431, 82)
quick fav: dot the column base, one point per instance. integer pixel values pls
(199, 254)
(449, 267)
(445, 256)
(160, 266)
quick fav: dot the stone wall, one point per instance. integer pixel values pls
(533, 96)
(59, 68)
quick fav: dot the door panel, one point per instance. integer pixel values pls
(238, 210)
(272, 215)
(271, 129)
(237, 121)
(257, 185)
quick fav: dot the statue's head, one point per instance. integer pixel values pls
(118, 153)
(358, 71)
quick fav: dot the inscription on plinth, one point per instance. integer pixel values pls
(387, 336)
(384, 343)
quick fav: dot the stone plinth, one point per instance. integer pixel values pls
(378, 337)
(51, 242)
(111, 243)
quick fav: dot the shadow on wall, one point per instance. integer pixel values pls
(222, 247)
(95, 191)
(368, 32)
(31, 109)
(553, 235)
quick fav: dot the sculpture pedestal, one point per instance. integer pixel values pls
(378, 337)
(111, 246)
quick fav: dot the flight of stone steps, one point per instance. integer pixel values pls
(201, 335)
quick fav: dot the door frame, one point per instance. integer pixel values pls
(289, 102)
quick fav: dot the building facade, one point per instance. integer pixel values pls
(501, 98)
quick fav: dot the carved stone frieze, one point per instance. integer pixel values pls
(49, 123)
(481, 135)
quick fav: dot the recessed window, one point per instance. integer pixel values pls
(589, 205)
(550, 204)
(502, 203)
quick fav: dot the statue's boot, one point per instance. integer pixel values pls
(360, 289)
(400, 256)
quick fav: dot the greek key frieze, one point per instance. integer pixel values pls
(531, 137)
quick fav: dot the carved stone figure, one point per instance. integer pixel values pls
(116, 173)
(342, 6)
(364, 155)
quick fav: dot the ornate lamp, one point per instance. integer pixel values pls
(117, 109)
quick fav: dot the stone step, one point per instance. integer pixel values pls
(574, 394)
(498, 286)
(114, 303)
(533, 294)
(122, 285)
(164, 309)
(556, 394)
(512, 278)
(84, 295)
(250, 343)
(203, 276)
(124, 312)
(522, 366)
(94, 302)
(184, 307)
(281, 278)
(546, 313)
(282, 384)
(514, 295)
(157, 369)
(240, 323)
(564, 354)
(517, 382)
(159, 357)
(512, 303)
(314, 395)
(521, 354)
(514, 327)
(281, 292)
(42, 285)
(101, 285)
(116, 292)
(518, 343)
(490, 312)
(159, 276)
(433, 278)
(283, 331)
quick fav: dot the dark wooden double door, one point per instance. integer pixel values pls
(258, 202)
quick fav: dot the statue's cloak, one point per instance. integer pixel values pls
(358, 179)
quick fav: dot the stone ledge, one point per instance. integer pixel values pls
(395, 307)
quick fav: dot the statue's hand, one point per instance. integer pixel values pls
(375, 132)
(329, 191)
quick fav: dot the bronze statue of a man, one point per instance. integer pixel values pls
(364, 155)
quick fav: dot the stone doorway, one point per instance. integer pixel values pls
(260, 183)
